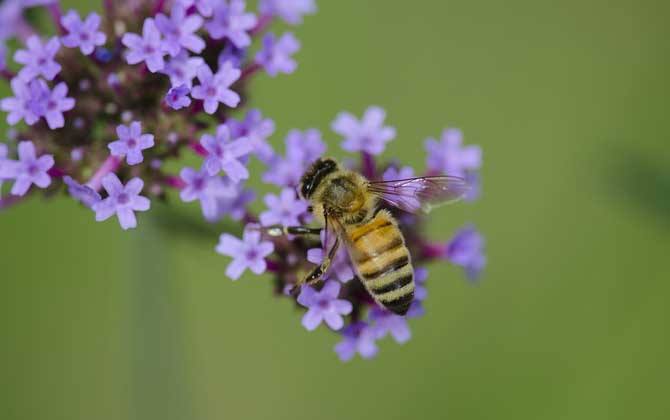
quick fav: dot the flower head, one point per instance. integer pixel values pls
(148, 47)
(276, 54)
(359, 338)
(182, 69)
(131, 142)
(19, 106)
(177, 97)
(82, 193)
(284, 209)
(38, 59)
(302, 149)
(385, 322)
(257, 130)
(368, 135)
(122, 200)
(247, 253)
(82, 34)
(207, 189)
(291, 11)
(224, 154)
(450, 157)
(236, 206)
(179, 31)
(230, 21)
(50, 104)
(324, 305)
(466, 249)
(215, 88)
(28, 170)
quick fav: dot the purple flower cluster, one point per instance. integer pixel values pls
(110, 112)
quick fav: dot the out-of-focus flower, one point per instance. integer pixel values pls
(450, 157)
(19, 106)
(131, 142)
(257, 130)
(466, 249)
(177, 97)
(50, 104)
(247, 253)
(215, 88)
(236, 206)
(224, 154)
(284, 209)
(38, 59)
(148, 47)
(393, 173)
(233, 54)
(182, 69)
(231, 22)
(368, 135)
(179, 31)
(324, 305)
(302, 149)
(204, 7)
(291, 11)
(385, 322)
(27, 170)
(357, 337)
(82, 193)
(122, 200)
(207, 189)
(275, 57)
(82, 34)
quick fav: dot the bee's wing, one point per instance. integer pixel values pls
(422, 194)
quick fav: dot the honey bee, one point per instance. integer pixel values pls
(348, 205)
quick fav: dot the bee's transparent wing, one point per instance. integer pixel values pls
(422, 194)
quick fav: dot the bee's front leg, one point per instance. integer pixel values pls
(292, 230)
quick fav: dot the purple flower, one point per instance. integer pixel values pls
(122, 200)
(207, 189)
(236, 207)
(359, 338)
(284, 209)
(256, 130)
(302, 149)
(224, 154)
(82, 193)
(473, 179)
(214, 88)
(147, 48)
(466, 249)
(230, 21)
(340, 267)
(393, 173)
(28, 170)
(250, 252)
(50, 104)
(448, 156)
(275, 56)
(131, 142)
(182, 69)
(38, 59)
(3, 55)
(368, 135)
(19, 107)
(291, 11)
(177, 97)
(3, 161)
(179, 31)
(416, 309)
(324, 306)
(84, 35)
(233, 54)
(205, 7)
(385, 322)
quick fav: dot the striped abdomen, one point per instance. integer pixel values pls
(382, 261)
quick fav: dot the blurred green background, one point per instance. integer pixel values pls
(569, 101)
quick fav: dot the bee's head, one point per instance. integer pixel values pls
(315, 174)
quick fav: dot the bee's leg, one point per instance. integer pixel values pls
(317, 274)
(291, 230)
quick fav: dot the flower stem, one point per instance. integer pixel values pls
(109, 165)
(175, 182)
(158, 7)
(263, 22)
(249, 71)
(432, 251)
(55, 11)
(7, 75)
(11, 200)
(368, 163)
(197, 148)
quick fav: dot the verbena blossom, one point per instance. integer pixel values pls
(74, 99)
(82, 34)
(248, 253)
(230, 21)
(28, 170)
(122, 201)
(324, 306)
(275, 57)
(131, 143)
(367, 135)
(215, 88)
(38, 59)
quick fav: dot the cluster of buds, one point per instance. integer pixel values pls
(99, 108)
